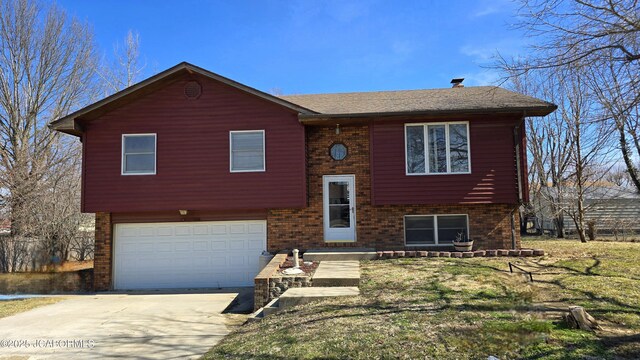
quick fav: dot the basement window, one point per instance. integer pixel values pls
(139, 154)
(435, 229)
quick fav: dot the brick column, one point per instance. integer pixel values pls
(102, 264)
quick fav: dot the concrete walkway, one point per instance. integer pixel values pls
(122, 326)
(295, 296)
(337, 273)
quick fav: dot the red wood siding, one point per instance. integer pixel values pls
(174, 216)
(493, 178)
(193, 153)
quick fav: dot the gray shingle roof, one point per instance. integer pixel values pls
(461, 99)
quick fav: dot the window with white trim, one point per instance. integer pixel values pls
(247, 151)
(435, 229)
(437, 148)
(138, 154)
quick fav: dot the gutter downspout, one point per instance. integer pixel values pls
(517, 141)
(513, 228)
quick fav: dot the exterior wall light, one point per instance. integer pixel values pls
(183, 212)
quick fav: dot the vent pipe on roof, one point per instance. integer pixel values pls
(457, 82)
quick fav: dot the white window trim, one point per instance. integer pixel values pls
(155, 155)
(427, 150)
(435, 228)
(264, 154)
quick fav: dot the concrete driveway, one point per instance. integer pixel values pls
(131, 326)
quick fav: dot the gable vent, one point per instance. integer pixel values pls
(192, 90)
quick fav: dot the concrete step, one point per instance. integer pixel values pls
(256, 315)
(339, 254)
(295, 296)
(272, 307)
(337, 273)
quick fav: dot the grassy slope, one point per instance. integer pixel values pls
(12, 307)
(464, 308)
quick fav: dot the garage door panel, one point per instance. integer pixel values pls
(255, 245)
(219, 262)
(200, 230)
(183, 245)
(219, 229)
(237, 229)
(218, 245)
(183, 255)
(182, 230)
(164, 231)
(133, 247)
(163, 246)
(146, 231)
(236, 244)
(201, 245)
(256, 229)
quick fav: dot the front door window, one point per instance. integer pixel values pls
(339, 207)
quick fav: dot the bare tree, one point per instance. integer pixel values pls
(586, 31)
(590, 35)
(590, 150)
(570, 150)
(618, 176)
(619, 104)
(55, 216)
(549, 146)
(125, 69)
(47, 61)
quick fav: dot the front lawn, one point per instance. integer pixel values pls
(464, 309)
(12, 307)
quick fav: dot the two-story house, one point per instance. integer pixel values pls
(192, 175)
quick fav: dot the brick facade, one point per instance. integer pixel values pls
(380, 227)
(102, 264)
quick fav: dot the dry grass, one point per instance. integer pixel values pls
(12, 307)
(464, 309)
(44, 282)
(74, 266)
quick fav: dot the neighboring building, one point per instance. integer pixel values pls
(612, 209)
(192, 175)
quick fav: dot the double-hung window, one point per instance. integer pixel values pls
(435, 229)
(247, 151)
(138, 154)
(437, 148)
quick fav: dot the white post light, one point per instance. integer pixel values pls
(295, 259)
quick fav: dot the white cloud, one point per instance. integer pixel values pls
(482, 77)
(490, 7)
(485, 53)
(486, 11)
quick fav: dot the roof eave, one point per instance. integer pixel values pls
(524, 111)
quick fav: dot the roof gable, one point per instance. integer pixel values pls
(68, 124)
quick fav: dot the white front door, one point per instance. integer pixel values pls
(339, 198)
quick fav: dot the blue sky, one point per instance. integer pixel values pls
(299, 47)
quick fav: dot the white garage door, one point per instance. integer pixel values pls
(188, 254)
